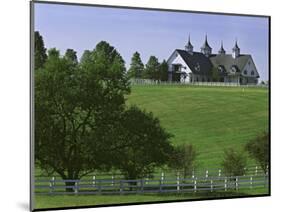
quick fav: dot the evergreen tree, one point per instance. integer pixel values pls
(163, 69)
(40, 55)
(71, 56)
(137, 67)
(152, 68)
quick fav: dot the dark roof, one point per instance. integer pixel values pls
(202, 65)
(228, 61)
(197, 62)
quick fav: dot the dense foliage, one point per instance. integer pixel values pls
(183, 159)
(258, 149)
(234, 162)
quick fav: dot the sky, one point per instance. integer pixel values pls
(149, 32)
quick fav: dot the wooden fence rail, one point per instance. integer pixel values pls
(171, 185)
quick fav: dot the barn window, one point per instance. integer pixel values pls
(252, 73)
(245, 72)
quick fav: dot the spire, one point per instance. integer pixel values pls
(188, 46)
(206, 42)
(235, 50)
(236, 45)
(206, 49)
(221, 51)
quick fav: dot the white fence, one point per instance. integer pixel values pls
(171, 185)
(218, 84)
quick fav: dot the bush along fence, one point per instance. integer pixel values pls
(168, 173)
(223, 84)
(169, 185)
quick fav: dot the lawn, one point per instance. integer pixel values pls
(94, 200)
(210, 118)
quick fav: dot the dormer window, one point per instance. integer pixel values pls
(252, 73)
(245, 72)
(221, 69)
(234, 69)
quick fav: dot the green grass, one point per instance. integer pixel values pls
(84, 200)
(210, 118)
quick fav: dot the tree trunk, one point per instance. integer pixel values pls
(69, 189)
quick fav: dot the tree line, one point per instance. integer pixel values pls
(152, 70)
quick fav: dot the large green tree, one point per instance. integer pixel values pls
(148, 144)
(137, 67)
(152, 68)
(40, 55)
(76, 112)
(258, 149)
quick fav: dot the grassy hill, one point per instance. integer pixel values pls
(210, 118)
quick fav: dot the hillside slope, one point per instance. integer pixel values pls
(210, 118)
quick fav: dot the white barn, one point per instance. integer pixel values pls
(189, 66)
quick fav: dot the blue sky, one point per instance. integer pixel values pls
(149, 32)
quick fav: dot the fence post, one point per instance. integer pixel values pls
(162, 177)
(225, 183)
(207, 173)
(178, 181)
(76, 187)
(192, 178)
(236, 183)
(94, 180)
(219, 172)
(52, 184)
(256, 170)
(195, 185)
(146, 180)
(251, 182)
(266, 170)
(211, 185)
